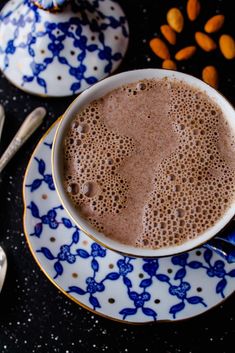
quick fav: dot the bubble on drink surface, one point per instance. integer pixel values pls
(141, 86)
(83, 128)
(110, 161)
(74, 125)
(171, 177)
(73, 188)
(90, 188)
(179, 212)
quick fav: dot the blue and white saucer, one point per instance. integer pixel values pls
(121, 288)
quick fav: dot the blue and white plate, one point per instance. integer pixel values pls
(115, 286)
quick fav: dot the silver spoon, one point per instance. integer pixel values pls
(30, 124)
(3, 258)
(3, 267)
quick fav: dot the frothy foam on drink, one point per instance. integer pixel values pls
(151, 164)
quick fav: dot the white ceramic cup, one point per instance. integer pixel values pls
(99, 90)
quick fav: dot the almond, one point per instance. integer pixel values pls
(214, 24)
(168, 33)
(210, 76)
(175, 19)
(159, 48)
(204, 41)
(227, 46)
(185, 53)
(193, 9)
(169, 64)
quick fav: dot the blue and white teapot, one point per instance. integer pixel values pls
(60, 47)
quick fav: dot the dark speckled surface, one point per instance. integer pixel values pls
(34, 315)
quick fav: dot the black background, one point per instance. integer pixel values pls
(34, 315)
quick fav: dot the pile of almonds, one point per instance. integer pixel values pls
(175, 25)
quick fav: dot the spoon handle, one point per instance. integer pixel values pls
(2, 119)
(30, 124)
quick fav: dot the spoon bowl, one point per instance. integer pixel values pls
(3, 267)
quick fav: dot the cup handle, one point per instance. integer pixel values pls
(224, 243)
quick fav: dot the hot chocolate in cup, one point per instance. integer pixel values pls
(144, 162)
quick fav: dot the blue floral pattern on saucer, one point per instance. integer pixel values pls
(118, 287)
